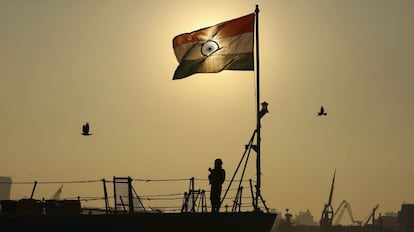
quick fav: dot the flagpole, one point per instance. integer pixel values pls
(258, 138)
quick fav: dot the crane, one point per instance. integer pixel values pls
(339, 212)
(327, 213)
(372, 215)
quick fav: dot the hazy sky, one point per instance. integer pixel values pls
(111, 63)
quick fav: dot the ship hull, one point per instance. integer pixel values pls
(226, 222)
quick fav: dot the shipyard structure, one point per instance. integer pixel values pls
(330, 220)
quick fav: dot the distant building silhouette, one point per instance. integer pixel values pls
(388, 221)
(406, 218)
(5, 187)
(305, 218)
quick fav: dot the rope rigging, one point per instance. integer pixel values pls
(165, 201)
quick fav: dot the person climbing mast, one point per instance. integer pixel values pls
(216, 178)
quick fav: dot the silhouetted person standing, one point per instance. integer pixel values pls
(216, 178)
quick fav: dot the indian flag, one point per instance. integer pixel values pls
(225, 46)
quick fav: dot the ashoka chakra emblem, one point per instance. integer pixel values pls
(209, 47)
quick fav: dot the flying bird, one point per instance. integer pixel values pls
(322, 112)
(85, 130)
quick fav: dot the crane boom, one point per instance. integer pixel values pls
(339, 212)
(327, 213)
(332, 188)
(339, 208)
(372, 215)
(351, 215)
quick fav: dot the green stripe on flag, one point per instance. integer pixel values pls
(214, 64)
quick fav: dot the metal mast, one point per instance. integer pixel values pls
(260, 113)
(258, 138)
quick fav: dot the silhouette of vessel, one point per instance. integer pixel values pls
(127, 211)
(238, 221)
